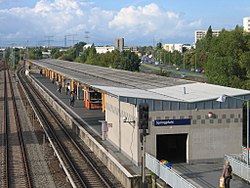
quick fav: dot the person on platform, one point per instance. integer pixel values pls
(67, 88)
(227, 174)
(72, 98)
(59, 87)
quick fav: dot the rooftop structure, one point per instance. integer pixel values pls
(139, 85)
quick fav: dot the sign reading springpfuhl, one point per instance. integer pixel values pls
(171, 122)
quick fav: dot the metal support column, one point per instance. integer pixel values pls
(143, 161)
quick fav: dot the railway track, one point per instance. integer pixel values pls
(75, 159)
(15, 169)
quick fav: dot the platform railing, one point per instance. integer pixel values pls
(239, 165)
(168, 175)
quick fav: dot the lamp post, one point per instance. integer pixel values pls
(169, 58)
(195, 61)
(184, 61)
(223, 99)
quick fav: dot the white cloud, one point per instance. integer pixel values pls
(151, 20)
(61, 17)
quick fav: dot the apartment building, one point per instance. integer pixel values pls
(246, 24)
(119, 44)
(176, 47)
(199, 34)
(104, 49)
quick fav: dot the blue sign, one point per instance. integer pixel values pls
(170, 122)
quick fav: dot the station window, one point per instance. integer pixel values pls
(183, 106)
(158, 105)
(175, 106)
(166, 105)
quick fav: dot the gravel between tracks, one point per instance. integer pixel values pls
(43, 164)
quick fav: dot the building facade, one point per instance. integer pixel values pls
(190, 131)
(104, 49)
(119, 44)
(246, 24)
(199, 34)
(176, 47)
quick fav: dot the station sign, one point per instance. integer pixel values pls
(171, 122)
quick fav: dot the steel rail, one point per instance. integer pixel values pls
(89, 160)
(20, 135)
(6, 144)
(107, 182)
(50, 132)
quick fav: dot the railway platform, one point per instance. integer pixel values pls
(91, 118)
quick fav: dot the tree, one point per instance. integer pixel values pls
(127, 61)
(92, 56)
(79, 47)
(69, 55)
(55, 53)
(226, 57)
(122, 60)
(35, 53)
(159, 46)
(244, 63)
(209, 33)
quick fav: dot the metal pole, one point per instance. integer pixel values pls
(169, 58)
(144, 185)
(14, 58)
(164, 58)
(195, 61)
(27, 50)
(183, 61)
(119, 123)
(248, 132)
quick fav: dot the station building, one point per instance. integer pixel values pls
(186, 123)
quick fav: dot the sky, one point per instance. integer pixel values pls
(139, 22)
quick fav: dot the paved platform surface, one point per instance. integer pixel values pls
(205, 174)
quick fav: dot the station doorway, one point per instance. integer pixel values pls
(171, 147)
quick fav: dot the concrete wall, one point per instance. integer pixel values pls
(124, 135)
(208, 138)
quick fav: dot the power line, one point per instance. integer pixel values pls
(66, 39)
(49, 40)
(87, 36)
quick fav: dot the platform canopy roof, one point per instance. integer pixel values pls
(138, 85)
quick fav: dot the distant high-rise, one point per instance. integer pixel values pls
(119, 44)
(202, 33)
(246, 24)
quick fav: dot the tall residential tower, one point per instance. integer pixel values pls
(246, 24)
(119, 43)
(202, 33)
